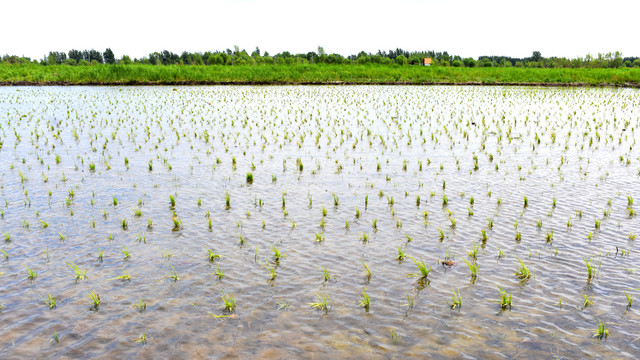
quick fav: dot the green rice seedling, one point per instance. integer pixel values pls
(470, 211)
(272, 271)
(423, 272)
(100, 254)
(401, 254)
(549, 236)
(173, 275)
(597, 224)
(124, 224)
(229, 301)
(569, 223)
(95, 299)
(522, 272)
(590, 236)
(357, 213)
(408, 237)
(399, 223)
(471, 201)
(417, 200)
(62, 237)
(284, 202)
(374, 224)
(209, 223)
(409, 303)
(323, 302)
(25, 224)
(115, 200)
(282, 305)
(172, 200)
(54, 338)
(483, 234)
(553, 202)
(44, 224)
(518, 236)
(137, 212)
(141, 339)
(539, 224)
(456, 299)
(125, 276)
(213, 256)
(276, 253)
(526, 202)
(31, 275)
(177, 223)
(453, 222)
(7, 237)
(473, 268)
(445, 200)
(319, 237)
(490, 223)
(126, 253)
(629, 200)
(324, 212)
(631, 211)
(141, 237)
(336, 200)
(366, 201)
(92, 167)
(346, 224)
(50, 301)
(629, 299)
(601, 331)
(5, 254)
(227, 199)
(240, 239)
(219, 274)
(325, 274)
(591, 270)
(505, 299)
(500, 253)
(473, 253)
(441, 236)
(390, 201)
(367, 271)
(249, 178)
(150, 165)
(395, 337)
(365, 300)
(80, 274)
(140, 306)
(631, 236)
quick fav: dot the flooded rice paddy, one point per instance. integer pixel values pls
(128, 214)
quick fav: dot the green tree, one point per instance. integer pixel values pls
(109, 57)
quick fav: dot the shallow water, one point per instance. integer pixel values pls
(384, 144)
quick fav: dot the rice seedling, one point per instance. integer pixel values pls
(500, 253)
(526, 202)
(249, 178)
(423, 271)
(5, 254)
(282, 305)
(219, 274)
(7, 237)
(115, 200)
(31, 275)
(54, 338)
(453, 222)
(212, 256)
(629, 200)
(473, 269)
(177, 223)
(323, 302)
(272, 271)
(473, 253)
(325, 274)
(141, 339)
(539, 224)
(50, 301)
(100, 254)
(319, 237)
(365, 300)
(80, 274)
(483, 234)
(395, 337)
(229, 301)
(227, 200)
(125, 276)
(490, 223)
(123, 223)
(367, 271)
(126, 253)
(522, 272)
(137, 212)
(140, 306)
(591, 270)
(505, 299)
(173, 275)
(601, 331)
(456, 299)
(549, 236)
(597, 224)
(401, 254)
(441, 236)
(445, 200)
(629, 299)
(631, 236)
(374, 224)
(44, 224)
(95, 299)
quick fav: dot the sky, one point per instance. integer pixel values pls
(469, 28)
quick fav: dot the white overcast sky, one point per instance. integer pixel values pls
(469, 28)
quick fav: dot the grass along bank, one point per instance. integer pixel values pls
(309, 74)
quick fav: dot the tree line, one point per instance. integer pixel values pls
(391, 57)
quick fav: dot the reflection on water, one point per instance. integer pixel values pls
(431, 166)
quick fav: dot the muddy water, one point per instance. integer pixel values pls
(377, 149)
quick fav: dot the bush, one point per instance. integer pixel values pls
(636, 63)
(469, 62)
(457, 63)
(71, 62)
(83, 62)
